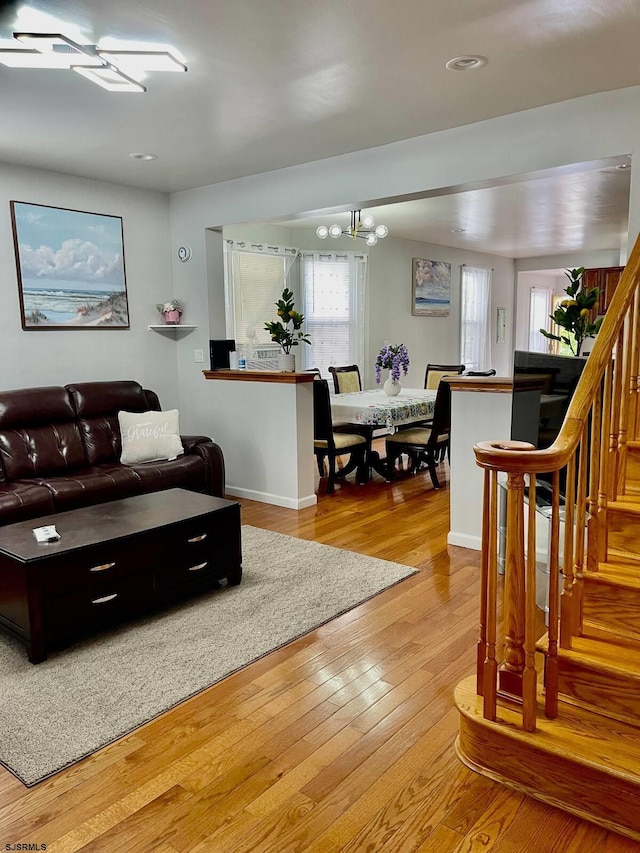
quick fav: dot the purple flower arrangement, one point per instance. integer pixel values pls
(392, 357)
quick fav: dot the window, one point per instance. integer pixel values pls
(539, 311)
(255, 277)
(333, 286)
(475, 327)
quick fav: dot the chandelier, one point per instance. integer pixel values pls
(115, 69)
(361, 226)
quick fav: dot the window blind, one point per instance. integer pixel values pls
(255, 279)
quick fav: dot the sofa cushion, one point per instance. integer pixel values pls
(149, 436)
(21, 501)
(39, 435)
(187, 472)
(88, 486)
(97, 405)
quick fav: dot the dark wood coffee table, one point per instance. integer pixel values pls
(113, 561)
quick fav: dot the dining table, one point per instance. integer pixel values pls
(375, 408)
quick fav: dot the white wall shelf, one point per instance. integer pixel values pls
(169, 327)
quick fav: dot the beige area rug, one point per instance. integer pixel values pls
(89, 694)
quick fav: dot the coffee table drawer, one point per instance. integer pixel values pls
(90, 568)
(107, 602)
(197, 554)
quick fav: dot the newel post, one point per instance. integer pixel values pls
(512, 668)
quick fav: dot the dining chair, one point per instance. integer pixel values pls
(424, 444)
(346, 379)
(435, 372)
(481, 372)
(330, 444)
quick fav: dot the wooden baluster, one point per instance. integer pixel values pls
(490, 674)
(581, 515)
(594, 474)
(603, 478)
(567, 619)
(623, 431)
(614, 426)
(551, 668)
(530, 676)
(634, 415)
(510, 672)
(481, 650)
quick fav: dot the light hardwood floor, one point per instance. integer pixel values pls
(341, 741)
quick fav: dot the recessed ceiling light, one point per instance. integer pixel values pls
(458, 230)
(143, 156)
(622, 166)
(468, 62)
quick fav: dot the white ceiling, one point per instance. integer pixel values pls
(273, 83)
(544, 214)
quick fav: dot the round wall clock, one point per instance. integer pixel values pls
(184, 253)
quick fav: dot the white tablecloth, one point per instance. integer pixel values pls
(374, 408)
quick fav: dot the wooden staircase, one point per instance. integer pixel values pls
(558, 716)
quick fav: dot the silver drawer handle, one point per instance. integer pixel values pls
(105, 598)
(197, 539)
(102, 568)
(198, 567)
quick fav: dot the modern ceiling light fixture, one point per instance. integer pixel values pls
(114, 69)
(361, 226)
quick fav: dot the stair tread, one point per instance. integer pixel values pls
(624, 574)
(581, 735)
(619, 555)
(615, 653)
(626, 503)
(597, 629)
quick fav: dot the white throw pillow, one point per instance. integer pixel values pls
(149, 436)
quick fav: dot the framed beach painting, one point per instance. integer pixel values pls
(431, 288)
(70, 268)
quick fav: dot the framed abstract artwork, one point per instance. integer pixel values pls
(431, 288)
(70, 268)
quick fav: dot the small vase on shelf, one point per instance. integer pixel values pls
(172, 318)
(392, 387)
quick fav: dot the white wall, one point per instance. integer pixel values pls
(429, 339)
(36, 358)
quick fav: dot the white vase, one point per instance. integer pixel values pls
(286, 363)
(392, 387)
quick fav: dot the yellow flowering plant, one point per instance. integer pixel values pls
(286, 330)
(574, 314)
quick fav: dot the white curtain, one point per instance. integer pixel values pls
(333, 285)
(475, 318)
(539, 311)
(255, 276)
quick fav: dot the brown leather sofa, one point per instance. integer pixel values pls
(60, 449)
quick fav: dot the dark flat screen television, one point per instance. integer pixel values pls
(537, 416)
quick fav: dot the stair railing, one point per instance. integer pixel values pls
(589, 456)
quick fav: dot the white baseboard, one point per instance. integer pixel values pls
(276, 500)
(464, 540)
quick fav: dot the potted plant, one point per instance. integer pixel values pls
(286, 329)
(574, 314)
(392, 357)
(170, 311)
